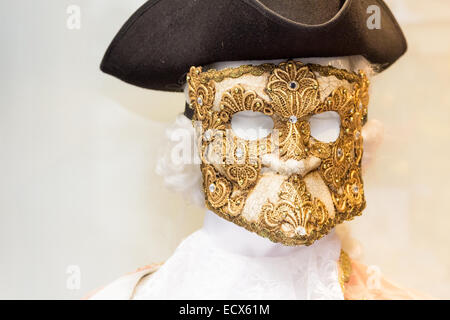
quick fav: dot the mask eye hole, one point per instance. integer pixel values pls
(325, 126)
(250, 125)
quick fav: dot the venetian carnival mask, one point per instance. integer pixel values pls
(288, 186)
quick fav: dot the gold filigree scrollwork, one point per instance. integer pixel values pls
(335, 168)
(293, 138)
(238, 99)
(351, 200)
(233, 73)
(201, 95)
(293, 89)
(242, 166)
(272, 218)
(296, 213)
(259, 70)
(217, 189)
(235, 205)
(361, 89)
(244, 175)
(319, 149)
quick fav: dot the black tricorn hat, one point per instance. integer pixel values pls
(164, 38)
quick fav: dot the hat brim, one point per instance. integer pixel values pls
(164, 38)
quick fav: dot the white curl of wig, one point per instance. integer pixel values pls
(179, 176)
(186, 178)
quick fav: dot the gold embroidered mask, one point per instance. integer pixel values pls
(313, 185)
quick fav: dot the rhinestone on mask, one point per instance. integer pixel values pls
(355, 189)
(293, 119)
(300, 231)
(212, 187)
(200, 101)
(207, 135)
(239, 153)
(339, 152)
(293, 85)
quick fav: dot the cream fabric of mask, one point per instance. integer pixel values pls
(288, 186)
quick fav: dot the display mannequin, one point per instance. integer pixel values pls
(280, 143)
(236, 240)
(308, 272)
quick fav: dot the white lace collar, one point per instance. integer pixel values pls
(202, 268)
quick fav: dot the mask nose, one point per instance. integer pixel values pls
(293, 139)
(291, 166)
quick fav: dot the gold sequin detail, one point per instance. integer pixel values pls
(344, 269)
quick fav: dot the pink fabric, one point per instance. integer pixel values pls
(362, 287)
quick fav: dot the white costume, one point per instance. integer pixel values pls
(207, 265)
